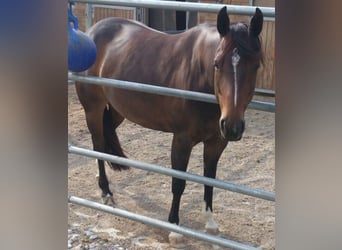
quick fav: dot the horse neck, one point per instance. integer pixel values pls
(203, 53)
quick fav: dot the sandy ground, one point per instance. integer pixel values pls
(241, 218)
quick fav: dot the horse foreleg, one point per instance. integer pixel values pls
(180, 153)
(212, 152)
(210, 224)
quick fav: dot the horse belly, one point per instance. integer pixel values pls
(148, 110)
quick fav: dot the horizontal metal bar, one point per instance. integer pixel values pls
(170, 172)
(161, 224)
(147, 88)
(186, 6)
(112, 7)
(258, 91)
(263, 106)
(264, 92)
(192, 95)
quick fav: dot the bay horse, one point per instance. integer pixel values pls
(221, 60)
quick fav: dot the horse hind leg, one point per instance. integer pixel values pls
(94, 103)
(95, 126)
(111, 120)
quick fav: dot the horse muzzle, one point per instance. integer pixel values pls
(232, 131)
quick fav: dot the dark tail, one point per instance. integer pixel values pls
(112, 144)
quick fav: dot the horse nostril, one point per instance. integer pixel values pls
(223, 128)
(232, 131)
(239, 127)
(223, 124)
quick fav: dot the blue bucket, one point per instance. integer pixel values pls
(81, 48)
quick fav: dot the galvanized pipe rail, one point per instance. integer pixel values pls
(197, 96)
(257, 91)
(186, 6)
(175, 173)
(264, 92)
(161, 224)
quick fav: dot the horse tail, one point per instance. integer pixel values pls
(112, 144)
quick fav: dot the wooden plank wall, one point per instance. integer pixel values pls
(211, 17)
(266, 77)
(99, 13)
(165, 20)
(266, 74)
(79, 10)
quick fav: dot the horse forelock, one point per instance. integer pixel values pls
(248, 46)
(238, 38)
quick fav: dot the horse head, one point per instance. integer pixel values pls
(237, 59)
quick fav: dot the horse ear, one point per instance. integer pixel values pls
(256, 23)
(223, 22)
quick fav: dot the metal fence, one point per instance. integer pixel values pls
(264, 106)
(175, 173)
(147, 88)
(186, 6)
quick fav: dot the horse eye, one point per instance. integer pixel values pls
(216, 64)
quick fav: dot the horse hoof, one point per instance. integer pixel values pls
(108, 199)
(211, 227)
(176, 240)
(212, 230)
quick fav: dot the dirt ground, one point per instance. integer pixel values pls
(240, 218)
